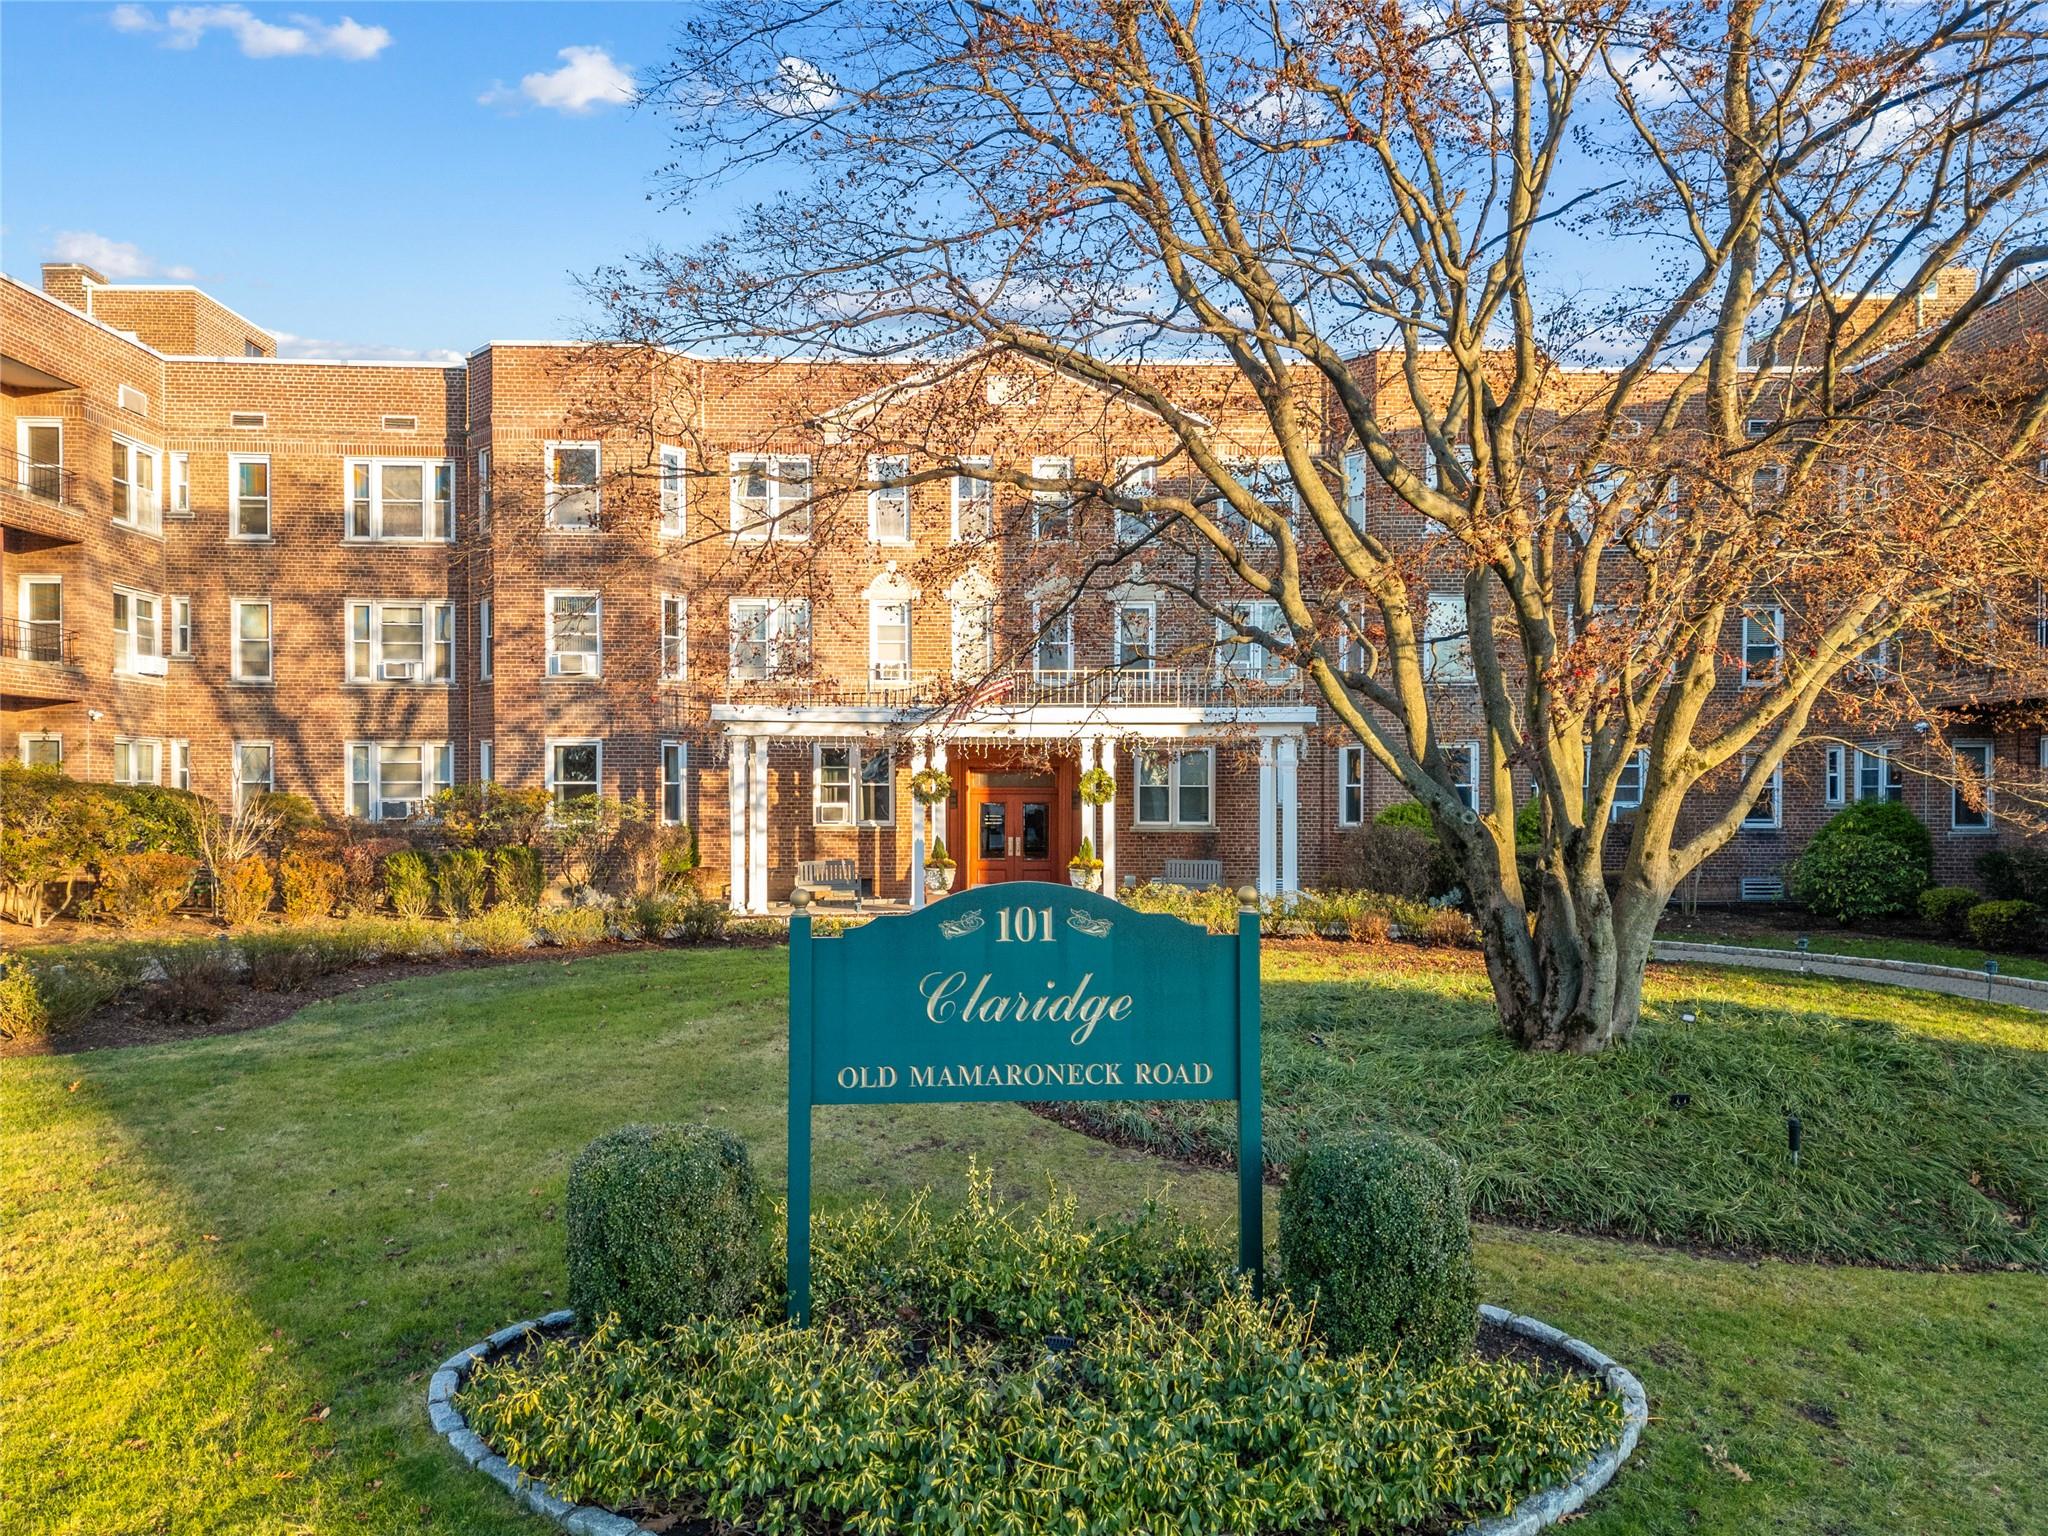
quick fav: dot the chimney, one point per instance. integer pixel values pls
(68, 282)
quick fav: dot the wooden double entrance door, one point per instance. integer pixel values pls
(1016, 820)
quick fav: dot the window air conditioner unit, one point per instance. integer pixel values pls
(1757, 888)
(398, 810)
(152, 666)
(572, 664)
(399, 671)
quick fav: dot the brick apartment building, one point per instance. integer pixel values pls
(360, 582)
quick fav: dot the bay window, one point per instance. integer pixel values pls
(401, 642)
(401, 500)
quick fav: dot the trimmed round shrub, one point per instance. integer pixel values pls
(1375, 1234)
(664, 1226)
(2005, 924)
(2015, 874)
(1948, 908)
(1856, 876)
(1889, 821)
(245, 890)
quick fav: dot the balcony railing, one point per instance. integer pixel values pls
(34, 640)
(55, 483)
(1024, 688)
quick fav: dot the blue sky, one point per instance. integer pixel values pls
(371, 180)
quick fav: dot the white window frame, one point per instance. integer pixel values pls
(1042, 637)
(1176, 788)
(675, 636)
(1148, 661)
(1636, 770)
(373, 467)
(24, 469)
(1134, 477)
(181, 627)
(675, 494)
(1246, 659)
(483, 490)
(236, 669)
(241, 782)
(974, 623)
(437, 615)
(897, 497)
(1350, 785)
(890, 671)
(486, 767)
(1258, 475)
(24, 606)
(1772, 820)
(773, 520)
(1754, 618)
(1958, 808)
(595, 668)
(1889, 785)
(555, 744)
(1052, 466)
(130, 744)
(983, 496)
(486, 640)
(775, 638)
(436, 772)
(1447, 653)
(557, 491)
(129, 505)
(26, 738)
(236, 463)
(1466, 788)
(126, 651)
(1355, 464)
(674, 781)
(1834, 783)
(181, 763)
(858, 811)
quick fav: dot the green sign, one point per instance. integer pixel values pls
(1022, 991)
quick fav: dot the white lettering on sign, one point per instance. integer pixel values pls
(944, 1004)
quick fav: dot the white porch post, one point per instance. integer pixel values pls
(918, 812)
(1269, 874)
(739, 754)
(1107, 752)
(1089, 744)
(1290, 807)
(757, 829)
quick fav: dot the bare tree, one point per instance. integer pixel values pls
(1376, 215)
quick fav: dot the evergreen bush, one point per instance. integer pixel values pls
(460, 878)
(408, 885)
(2005, 924)
(1887, 820)
(1851, 877)
(1948, 908)
(518, 877)
(2015, 874)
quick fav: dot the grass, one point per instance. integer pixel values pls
(1864, 946)
(231, 1262)
(1924, 1118)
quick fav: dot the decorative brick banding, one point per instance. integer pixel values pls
(1532, 1514)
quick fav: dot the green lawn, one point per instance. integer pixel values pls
(1867, 946)
(230, 1263)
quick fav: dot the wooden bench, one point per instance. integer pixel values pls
(840, 877)
(1194, 874)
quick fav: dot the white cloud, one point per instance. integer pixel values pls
(119, 260)
(800, 87)
(589, 78)
(299, 37)
(289, 345)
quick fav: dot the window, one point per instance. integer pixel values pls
(254, 770)
(181, 765)
(1875, 663)
(483, 490)
(853, 786)
(1432, 471)
(1464, 760)
(1756, 426)
(771, 637)
(135, 486)
(181, 626)
(1351, 786)
(675, 758)
(136, 760)
(253, 656)
(486, 769)
(674, 492)
(39, 457)
(974, 502)
(888, 505)
(674, 638)
(1354, 488)
(1136, 635)
(1238, 654)
(1767, 813)
(42, 749)
(575, 634)
(1134, 478)
(1763, 646)
(1970, 796)
(42, 618)
(1176, 789)
(889, 642)
(1446, 646)
(1052, 512)
(486, 640)
(1053, 656)
(575, 770)
(1768, 482)
(401, 499)
(771, 496)
(1628, 788)
(1268, 482)
(393, 780)
(249, 496)
(974, 637)
(1877, 777)
(390, 642)
(138, 642)
(1835, 777)
(572, 489)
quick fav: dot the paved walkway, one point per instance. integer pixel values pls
(2020, 992)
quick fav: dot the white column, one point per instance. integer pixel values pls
(1290, 807)
(1088, 746)
(917, 833)
(1269, 873)
(1109, 885)
(939, 816)
(739, 754)
(757, 829)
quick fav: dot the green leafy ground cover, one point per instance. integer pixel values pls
(230, 1263)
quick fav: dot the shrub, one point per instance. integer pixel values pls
(1887, 820)
(158, 820)
(1214, 909)
(675, 859)
(460, 877)
(1407, 813)
(517, 877)
(491, 816)
(1851, 877)
(288, 960)
(504, 930)
(650, 918)
(407, 885)
(245, 889)
(1390, 858)
(413, 938)
(71, 990)
(137, 888)
(55, 832)
(1438, 870)
(2005, 924)
(570, 927)
(192, 986)
(2015, 874)
(23, 1013)
(311, 884)
(1374, 1232)
(663, 1227)
(1948, 908)
(702, 920)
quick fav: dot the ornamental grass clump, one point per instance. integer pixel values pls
(504, 930)
(1375, 1235)
(570, 927)
(664, 1226)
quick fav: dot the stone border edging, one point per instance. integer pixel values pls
(1532, 1514)
(1856, 967)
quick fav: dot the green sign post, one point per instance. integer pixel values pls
(1022, 991)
